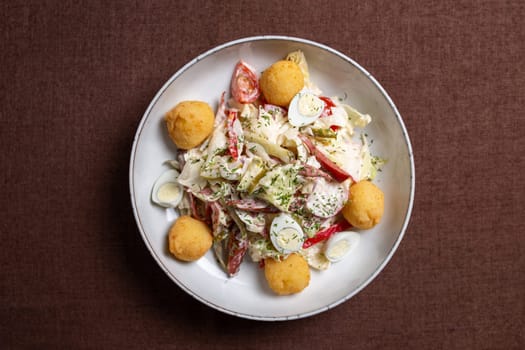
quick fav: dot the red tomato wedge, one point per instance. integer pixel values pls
(244, 84)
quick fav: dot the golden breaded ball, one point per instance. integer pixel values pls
(288, 276)
(189, 123)
(189, 239)
(281, 82)
(365, 206)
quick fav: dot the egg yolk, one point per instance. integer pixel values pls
(339, 249)
(288, 239)
(309, 105)
(168, 192)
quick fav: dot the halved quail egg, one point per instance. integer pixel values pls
(315, 257)
(167, 192)
(340, 244)
(305, 108)
(286, 234)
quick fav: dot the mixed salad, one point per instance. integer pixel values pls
(271, 181)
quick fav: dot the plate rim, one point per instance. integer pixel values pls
(210, 52)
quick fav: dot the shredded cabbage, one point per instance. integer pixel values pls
(256, 165)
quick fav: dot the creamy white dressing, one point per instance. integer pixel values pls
(346, 153)
(267, 125)
(327, 198)
(190, 175)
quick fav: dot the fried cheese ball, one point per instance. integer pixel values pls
(288, 276)
(281, 82)
(365, 206)
(189, 239)
(189, 123)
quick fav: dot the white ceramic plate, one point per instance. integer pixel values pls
(247, 294)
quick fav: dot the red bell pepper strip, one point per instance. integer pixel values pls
(244, 84)
(338, 173)
(327, 110)
(328, 104)
(232, 135)
(326, 233)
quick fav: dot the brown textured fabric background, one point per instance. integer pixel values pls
(75, 81)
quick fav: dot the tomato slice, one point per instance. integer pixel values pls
(244, 84)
